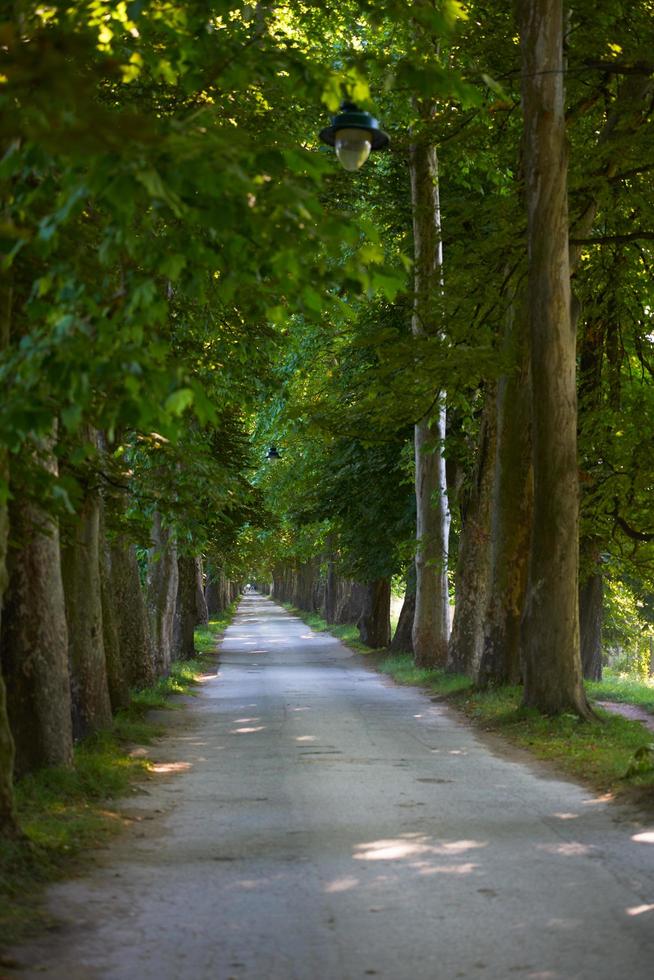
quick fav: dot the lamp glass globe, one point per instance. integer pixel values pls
(352, 147)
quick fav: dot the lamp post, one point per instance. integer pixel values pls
(353, 134)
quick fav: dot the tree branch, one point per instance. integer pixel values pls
(632, 236)
(630, 531)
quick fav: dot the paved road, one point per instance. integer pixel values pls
(323, 824)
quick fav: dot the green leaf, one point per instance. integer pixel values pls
(179, 401)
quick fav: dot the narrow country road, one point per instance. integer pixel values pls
(312, 821)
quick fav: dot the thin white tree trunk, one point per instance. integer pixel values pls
(431, 623)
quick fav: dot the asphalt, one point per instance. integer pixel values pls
(310, 820)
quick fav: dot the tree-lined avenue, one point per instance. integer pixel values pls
(310, 820)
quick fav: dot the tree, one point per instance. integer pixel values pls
(551, 622)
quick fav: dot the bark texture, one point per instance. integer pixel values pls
(551, 620)
(511, 511)
(473, 567)
(403, 637)
(80, 568)
(202, 611)
(162, 594)
(35, 642)
(591, 600)
(375, 621)
(186, 610)
(432, 613)
(117, 678)
(8, 824)
(331, 591)
(130, 613)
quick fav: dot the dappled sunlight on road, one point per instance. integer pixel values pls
(639, 909)
(569, 849)
(164, 768)
(341, 885)
(247, 731)
(412, 846)
(646, 837)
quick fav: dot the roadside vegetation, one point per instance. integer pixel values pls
(612, 754)
(63, 812)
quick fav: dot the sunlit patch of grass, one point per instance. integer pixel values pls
(607, 753)
(65, 812)
(623, 687)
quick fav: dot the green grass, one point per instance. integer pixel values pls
(63, 813)
(610, 754)
(623, 687)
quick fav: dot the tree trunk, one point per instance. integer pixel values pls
(80, 569)
(130, 613)
(162, 594)
(116, 673)
(331, 591)
(8, 824)
(432, 615)
(551, 620)
(375, 621)
(511, 508)
(186, 612)
(473, 567)
(351, 601)
(403, 638)
(35, 640)
(201, 608)
(591, 601)
(212, 590)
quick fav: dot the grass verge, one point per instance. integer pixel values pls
(347, 633)
(610, 754)
(65, 812)
(625, 688)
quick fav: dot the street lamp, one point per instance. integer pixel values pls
(353, 134)
(272, 454)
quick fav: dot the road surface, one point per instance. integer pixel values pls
(310, 820)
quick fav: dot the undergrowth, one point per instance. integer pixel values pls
(65, 812)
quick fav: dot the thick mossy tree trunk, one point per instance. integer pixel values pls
(431, 624)
(34, 639)
(186, 612)
(375, 621)
(162, 594)
(214, 593)
(117, 677)
(351, 601)
(551, 620)
(8, 824)
(130, 613)
(591, 605)
(473, 566)
(403, 638)
(80, 568)
(202, 610)
(511, 510)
